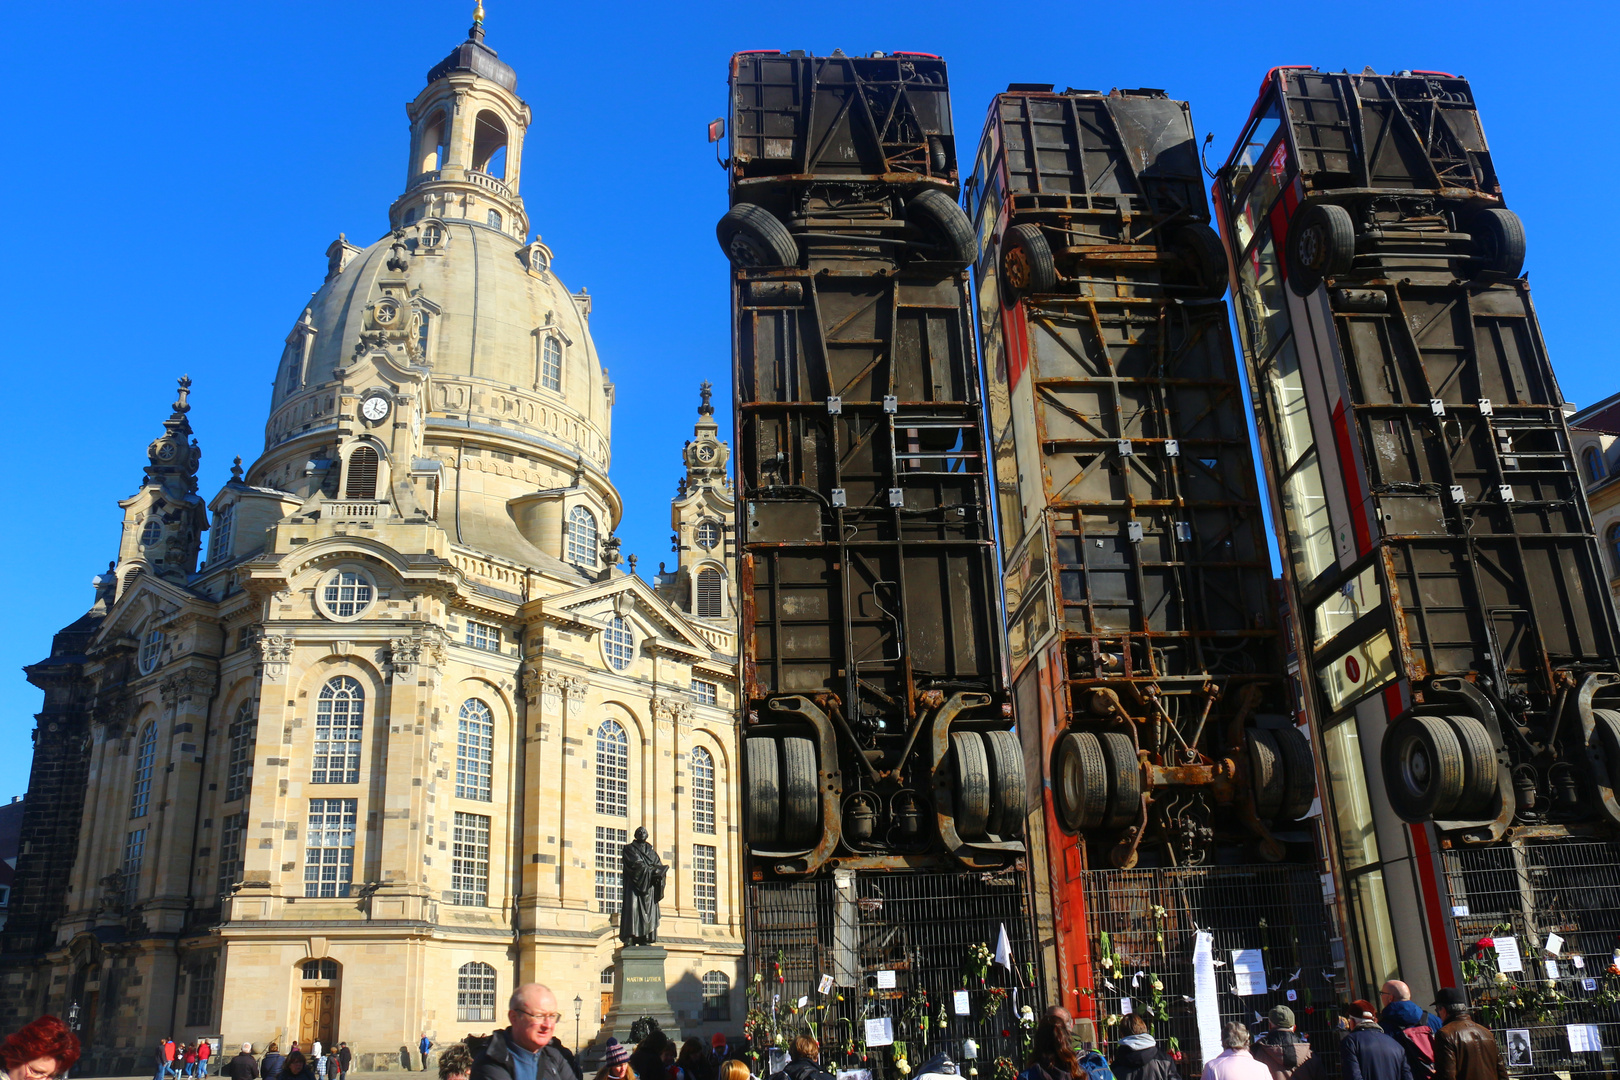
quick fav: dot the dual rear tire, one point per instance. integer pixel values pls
(784, 808)
(1440, 767)
(1097, 780)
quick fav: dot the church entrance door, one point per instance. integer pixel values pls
(318, 1018)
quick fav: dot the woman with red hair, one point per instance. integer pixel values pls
(43, 1049)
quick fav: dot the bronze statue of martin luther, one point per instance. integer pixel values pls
(643, 877)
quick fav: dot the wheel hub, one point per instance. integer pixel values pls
(1311, 248)
(1017, 266)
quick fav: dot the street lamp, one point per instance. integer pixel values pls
(579, 1003)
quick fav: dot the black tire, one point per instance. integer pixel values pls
(1423, 768)
(1499, 239)
(939, 163)
(801, 807)
(1479, 767)
(1321, 244)
(1299, 773)
(1080, 781)
(1026, 261)
(751, 236)
(1124, 780)
(972, 785)
(1201, 247)
(764, 794)
(1006, 758)
(949, 232)
(1266, 777)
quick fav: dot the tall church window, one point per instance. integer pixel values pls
(708, 593)
(609, 866)
(433, 144)
(581, 538)
(475, 993)
(362, 480)
(219, 546)
(551, 362)
(140, 795)
(239, 752)
(619, 643)
(475, 750)
(702, 791)
(704, 883)
(716, 996)
(339, 714)
(151, 650)
(469, 861)
(1592, 463)
(612, 769)
(232, 830)
(329, 847)
(200, 990)
(134, 855)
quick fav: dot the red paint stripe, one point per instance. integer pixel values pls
(1439, 925)
(1352, 481)
(1015, 338)
(1279, 234)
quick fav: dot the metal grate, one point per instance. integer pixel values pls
(1530, 890)
(1150, 917)
(918, 925)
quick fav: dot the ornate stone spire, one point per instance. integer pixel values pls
(173, 456)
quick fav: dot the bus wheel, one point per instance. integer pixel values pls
(1499, 238)
(1299, 775)
(1423, 768)
(1027, 262)
(1201, 247)
(972, 785)
(1479, 767)
(751, 236)
(1124, 779)
(801, 806)
(764, 794)
(946, 227)
(1265, 772)
(1321, 244)
(1006, 759)
(1081, 781)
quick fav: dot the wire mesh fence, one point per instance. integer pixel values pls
(837, 957)
(1559, 1015)
(1144, 964)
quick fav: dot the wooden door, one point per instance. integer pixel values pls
(607, 1003)
(317, 1019)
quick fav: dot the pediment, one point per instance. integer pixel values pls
(634, 599)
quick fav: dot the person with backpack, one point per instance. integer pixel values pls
(1139, 1056)
(1366, 1052)
(1284, 1051)
(1465, 1050)
(1050, 1055)
(1414, 1028)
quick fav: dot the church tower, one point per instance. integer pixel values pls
(372, 763)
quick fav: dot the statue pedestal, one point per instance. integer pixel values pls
(639, 989)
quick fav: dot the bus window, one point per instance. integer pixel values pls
(1267, 187)
(1352, 818)
(1305, 519)
(1290, 418)
(1350, 602)
(1249, 150)
(1375, 937)
(1261, 282)
(989, 221)
(1364, 668)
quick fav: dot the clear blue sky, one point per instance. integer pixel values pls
(175, 171)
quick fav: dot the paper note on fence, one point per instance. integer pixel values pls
(1250, 968)
(1124, 1006)
(960, 1004)
(1205, 1005)
(1507, 955)
(885, 979)
(1553, 944)
(1583, 1038)
(825, 986)
(880, 1032)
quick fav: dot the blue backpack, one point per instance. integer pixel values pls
(1095, 1066)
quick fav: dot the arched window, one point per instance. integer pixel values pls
(716, 996)
(475, 750)
(708, 535)
(551, 362)
(339, 715)
(494, 219)
(1592, 464)
(362, 481)
(346, 594)
(239, 754)
(708, 593)
(581, 538)
(702, 791)
(489, 145)
(152, 532)
(619, 643)
(612, 769)
(151, 650)
(320, 969)
(224, 528)
(475, 992)
(432, 144)
(140, 795)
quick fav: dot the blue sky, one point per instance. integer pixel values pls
(175, 172)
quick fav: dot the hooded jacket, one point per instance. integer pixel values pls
(1366, 1053)
(1139, 1057)
(1287, 1055)
(1399, 1015)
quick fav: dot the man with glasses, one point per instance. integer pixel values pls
(528, 1049)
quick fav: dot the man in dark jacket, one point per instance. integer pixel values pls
(1283, 1051)
(1139, 1056)
(528, 1049)
(242, 1066)
(1401, 1012)
(1465, 1050)
(1366, 1053)
(804, 1062)
(344, 1056)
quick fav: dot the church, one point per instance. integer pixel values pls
(350, 748)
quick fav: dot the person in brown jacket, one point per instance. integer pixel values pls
(1283, 1051)
(1464, 1050)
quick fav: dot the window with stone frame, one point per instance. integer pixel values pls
(609, 868)
(361, 482)
(239, 752)
(475, 993)
(551, 362)
(134, 854)
(152, 531)
(707, 535)
(619, 643)
(316, 970)
(704, 883)
(219, 544)
(709, 593)
(232, 832)
(469, 861)
(702, 764)
(612, 769)
(329, 847)
(339, 721)
(475, 750)
(705, 692)
(200, 990)
(716, 996)
(346, 593)
(151, 650)
(140, 794)
(580, 542)
(483, 636)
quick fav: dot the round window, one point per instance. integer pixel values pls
(152, 533)
(708, 535)
(619, 643)
(432, 236)
(345, 594)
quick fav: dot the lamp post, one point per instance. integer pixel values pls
(579, 1003)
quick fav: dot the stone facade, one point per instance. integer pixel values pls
(1595, 436)
(369, 765)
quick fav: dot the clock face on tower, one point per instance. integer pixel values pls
(374, 408)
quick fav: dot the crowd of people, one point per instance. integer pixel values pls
(1400, 1041)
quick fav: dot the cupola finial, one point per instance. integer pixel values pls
(477, 31)
(706, 391)
(181, 405)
